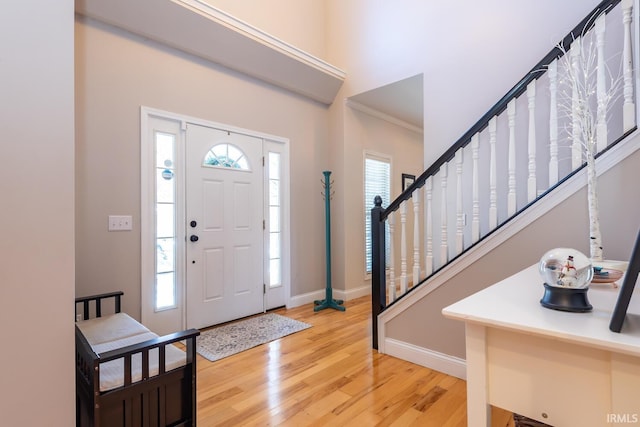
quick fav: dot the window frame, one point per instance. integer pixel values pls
(237, 165)
(175, 169)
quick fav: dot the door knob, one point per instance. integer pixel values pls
(193, 224)
(193, 238)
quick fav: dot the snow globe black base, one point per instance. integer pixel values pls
(566, 299)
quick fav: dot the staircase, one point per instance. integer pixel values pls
(518, 162)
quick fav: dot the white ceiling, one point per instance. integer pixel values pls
(402, 100)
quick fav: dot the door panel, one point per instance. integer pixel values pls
(214, 273)
(213, 194)
(225, 258)
(242, 206)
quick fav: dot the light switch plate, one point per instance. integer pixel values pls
(120, 223)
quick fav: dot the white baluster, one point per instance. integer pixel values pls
(531, 180)
(392, 261)
(416, 237)
(403, 247)
(493, 194)
(444, 245)
(629, 108)
(511, 195)
(553, 123)
(428, 193)
(475, 209)
(601, 86)
(459, 213)
(576, 134)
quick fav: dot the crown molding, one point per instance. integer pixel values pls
(263, 37)
(382, 116)
(197, 28)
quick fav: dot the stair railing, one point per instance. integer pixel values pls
(506, 174)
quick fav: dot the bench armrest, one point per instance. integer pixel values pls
(126, 353)
(148, 345)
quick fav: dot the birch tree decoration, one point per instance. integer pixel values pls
(587, 90)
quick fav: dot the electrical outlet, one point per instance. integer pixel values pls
(120, 223)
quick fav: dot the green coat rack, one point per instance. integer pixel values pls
(328, 302)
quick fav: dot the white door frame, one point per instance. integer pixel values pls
(149, 316)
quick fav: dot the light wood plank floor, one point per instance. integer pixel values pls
(328, 375)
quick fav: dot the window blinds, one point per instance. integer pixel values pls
(377, 182)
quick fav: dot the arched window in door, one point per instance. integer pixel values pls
(226, 156)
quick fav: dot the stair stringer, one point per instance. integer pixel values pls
(454, 365)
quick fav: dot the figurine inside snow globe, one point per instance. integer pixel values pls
(566, 273)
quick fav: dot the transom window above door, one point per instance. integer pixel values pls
(226, 156)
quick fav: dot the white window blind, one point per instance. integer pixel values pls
(377, 182)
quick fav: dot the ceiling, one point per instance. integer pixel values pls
(402, 100)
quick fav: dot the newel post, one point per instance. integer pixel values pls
(378, 263)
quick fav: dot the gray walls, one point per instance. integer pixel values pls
(117, 73)
(375, 135)
(376, 43)
(470, 54)
(36, 186)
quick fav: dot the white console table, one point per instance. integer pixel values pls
(564, 369)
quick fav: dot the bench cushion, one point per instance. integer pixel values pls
(120, 330)
(110, 328)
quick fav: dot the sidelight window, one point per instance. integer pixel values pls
(275, 222)
(165, 208)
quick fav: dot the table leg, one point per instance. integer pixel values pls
(478, 409)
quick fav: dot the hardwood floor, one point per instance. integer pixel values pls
(328, 375)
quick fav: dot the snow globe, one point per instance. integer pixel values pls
(566, 274)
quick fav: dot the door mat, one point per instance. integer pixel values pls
(223, 341)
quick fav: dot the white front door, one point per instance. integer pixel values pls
(208, 282)
(224, 226)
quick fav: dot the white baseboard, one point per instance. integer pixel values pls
(440, 362)
(308, 298)
(352, 293)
